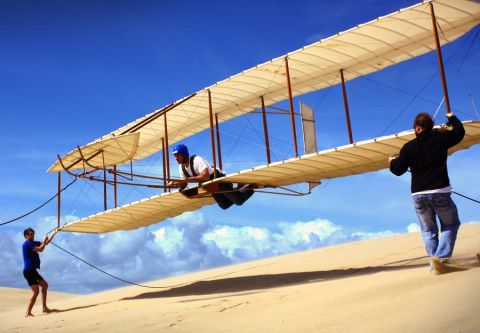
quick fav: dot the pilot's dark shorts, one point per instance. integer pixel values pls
(32, 276)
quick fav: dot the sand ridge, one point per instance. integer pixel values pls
(380, 285)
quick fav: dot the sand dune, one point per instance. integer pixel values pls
(16, 298)
(380, 285)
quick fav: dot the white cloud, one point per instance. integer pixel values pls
(372, 235)
(413, 227)
(186, 243)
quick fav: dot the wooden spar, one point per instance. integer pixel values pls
(115, 185)
(274, 112)
(104, 184)
(59, 193)
(82, 159)
(110, 182)
(292, 111)
(345, 102)
(138, 175)
(155, 115)
(65, 168)
(163, 163)
(279, 109)
(440, 59)
(265, 131)
(167, 157)
(217, 130)
(87, 160)
(212, 137)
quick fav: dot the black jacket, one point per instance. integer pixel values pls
(426, 156)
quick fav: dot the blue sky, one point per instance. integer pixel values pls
(71, 71)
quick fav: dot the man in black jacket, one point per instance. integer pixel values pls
(426, 156)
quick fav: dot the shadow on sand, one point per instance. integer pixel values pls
(77, 308)
(53, 311)
(267, 281)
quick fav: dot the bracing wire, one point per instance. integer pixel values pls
(425, 86)
(39, 207)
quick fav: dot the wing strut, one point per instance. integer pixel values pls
(265, 130)
(292, 111)
(219, 148)
(440, 58)
(212, 137)
(345, 102)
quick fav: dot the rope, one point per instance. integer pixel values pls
(106, 273)
(459, 194)
(464, 196)
(39, 207)
(145, 286)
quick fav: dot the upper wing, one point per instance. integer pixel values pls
(365, 156)
(365, 49)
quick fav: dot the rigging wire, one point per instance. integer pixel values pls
(468, 50)
(240, 138)
(81, 191)
(325, 94)
(260, 136)
(473, 105)
(246, 126)
(235, 143)
(39, 207)
(423, 88)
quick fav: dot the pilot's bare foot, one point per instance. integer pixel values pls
(47, 310)
(29, 315)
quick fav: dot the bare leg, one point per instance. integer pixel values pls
(44, 285)
(33, 299)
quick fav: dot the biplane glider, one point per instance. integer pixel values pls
(364, 49)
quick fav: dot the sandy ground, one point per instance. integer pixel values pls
(13, 298)
(380, 285)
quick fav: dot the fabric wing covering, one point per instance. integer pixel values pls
(100, 154)
(361, 157)
(365, 49)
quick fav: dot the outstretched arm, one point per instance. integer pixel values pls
(458, 131)
(45, 242)
(203, 176)
(399, 163)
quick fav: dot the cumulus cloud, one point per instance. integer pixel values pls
(372, 235)
(183, 244)
(243, 243)
(413, 227)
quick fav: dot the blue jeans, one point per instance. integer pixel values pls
(428, 207)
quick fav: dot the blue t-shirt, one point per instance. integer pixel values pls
(31, 259)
